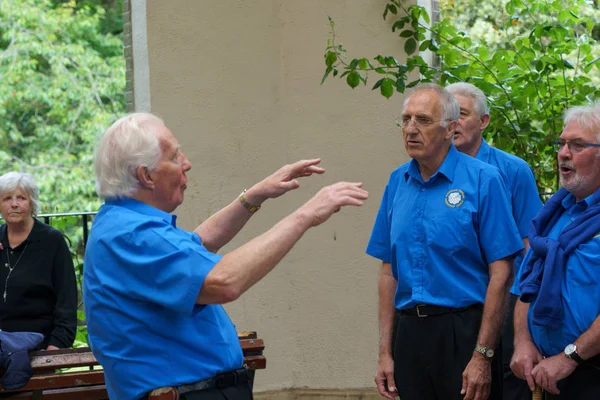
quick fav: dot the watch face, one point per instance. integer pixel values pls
(489, 353)
(570, 349)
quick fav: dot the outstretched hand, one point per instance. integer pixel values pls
(332, 198)
(283, 180)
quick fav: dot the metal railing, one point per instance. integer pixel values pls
(86, 218)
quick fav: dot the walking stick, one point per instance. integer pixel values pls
(537, 393)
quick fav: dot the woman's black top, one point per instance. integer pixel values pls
(41, 293)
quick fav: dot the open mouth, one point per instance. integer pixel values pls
(565, 169)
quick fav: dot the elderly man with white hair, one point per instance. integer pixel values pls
(473, 120)
(152, 291)
(557, 319)
(445, 275)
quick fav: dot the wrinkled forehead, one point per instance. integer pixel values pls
(576, 131)
(424, 102)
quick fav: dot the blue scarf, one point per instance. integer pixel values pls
(543, 275)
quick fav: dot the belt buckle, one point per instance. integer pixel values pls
(419, 311)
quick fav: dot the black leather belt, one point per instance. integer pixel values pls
(226, 379)
(426, 310)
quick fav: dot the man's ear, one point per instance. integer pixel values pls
(451, 127)
(143, 176)
(484, 121)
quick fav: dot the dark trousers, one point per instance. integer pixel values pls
(431, 353)
(239, 392)
(513, 388)
(582, 384)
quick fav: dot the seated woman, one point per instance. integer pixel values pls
(37, 279)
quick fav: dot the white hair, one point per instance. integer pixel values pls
(130, 142)
(448, 103)
(587, 117)
(470, 90)
(12, 181)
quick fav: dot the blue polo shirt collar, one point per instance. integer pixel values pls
(142, 208)
(446, 169)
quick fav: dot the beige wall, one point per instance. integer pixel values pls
(238, 83)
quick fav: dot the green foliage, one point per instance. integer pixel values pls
(63, 82)
(548, 60)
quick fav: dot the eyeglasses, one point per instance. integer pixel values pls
(575, 146)
(419, 121)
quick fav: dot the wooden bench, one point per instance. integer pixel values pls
(47, 383)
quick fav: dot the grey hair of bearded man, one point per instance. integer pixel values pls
(587, 117)
(130, 142)
(470, 90)
(448, 103)
(11, 181)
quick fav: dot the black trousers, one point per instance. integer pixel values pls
(431, 353)
(513, 388)
(240, 392)
(582, 384)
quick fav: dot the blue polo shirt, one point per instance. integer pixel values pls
(142, 276)
(441, 235)
(580, 294)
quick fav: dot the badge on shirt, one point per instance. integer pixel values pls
(455, 198)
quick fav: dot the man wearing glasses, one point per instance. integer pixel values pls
(557, 323)
(525, 201)
(443, 286)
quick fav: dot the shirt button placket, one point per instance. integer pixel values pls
(419, 244)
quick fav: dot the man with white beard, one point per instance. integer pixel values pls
(557, 323)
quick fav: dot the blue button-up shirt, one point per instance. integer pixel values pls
(520, 182)
(580, 294)
(441, 235)
(142, 276)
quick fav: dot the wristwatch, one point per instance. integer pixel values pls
(487, 352)
(571, 352)
(250, 207)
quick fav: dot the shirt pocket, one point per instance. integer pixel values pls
(450, 229)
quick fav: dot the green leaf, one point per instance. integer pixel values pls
(391, 62)
(410, 46)
(406, 33)
(387, 88)
(327, 72)
(378, 83)
(424, 45)
(330, 58)
(398, 25)
(353, 79)
(401, 85)
(425, 17)
(363, 64)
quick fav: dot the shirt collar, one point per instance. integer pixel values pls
(446, 169)
(570, 201)
(142, 208)
(483, 154)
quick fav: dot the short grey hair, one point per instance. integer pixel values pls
(470, 90)
(448, 103)
(586, 116)
(130, 142)
(12, 181)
